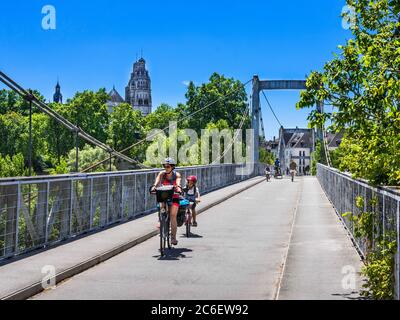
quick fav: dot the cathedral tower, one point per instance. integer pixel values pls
(138, 91)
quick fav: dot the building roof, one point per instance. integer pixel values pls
(115, 97)
(334, 139)
(297, 138)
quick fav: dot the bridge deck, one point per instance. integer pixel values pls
(275, 240)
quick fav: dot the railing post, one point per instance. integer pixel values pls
(108, 198)
(145, 193)
(71, 203)
(46, 234)
(397, 268)
(91, 205)
(383, 216)
(16, 244)
(122, 204)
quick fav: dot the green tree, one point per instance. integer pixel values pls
(12, 166)
(125, 126)
(11, 101)
(362, 83)
(160, 118)
(230, 104)
(60, 140)
(266, 156)
(88, 156)
(88, 111)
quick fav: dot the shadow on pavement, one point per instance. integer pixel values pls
(174, 254)
(192, 235)
(350, 296)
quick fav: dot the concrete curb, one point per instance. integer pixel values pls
(37, 287)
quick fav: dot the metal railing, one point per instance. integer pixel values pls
(40, 211)
(343, 191)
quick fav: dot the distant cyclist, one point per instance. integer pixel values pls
(267, 173)
(293, 169)
(277, 167)
(170, 177)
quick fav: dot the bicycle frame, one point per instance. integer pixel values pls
(188, 218)
(165, 224)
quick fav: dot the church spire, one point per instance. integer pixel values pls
(57, 97)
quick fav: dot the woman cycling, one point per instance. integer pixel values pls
(170, 177)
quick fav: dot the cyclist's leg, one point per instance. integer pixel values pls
(173, 212)
(162, 206)
(194, 215)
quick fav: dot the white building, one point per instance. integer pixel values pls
(295, 144)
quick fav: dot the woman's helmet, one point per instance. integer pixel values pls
(192, 178)
(169, 161)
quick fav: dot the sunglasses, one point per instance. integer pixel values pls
(167, 166)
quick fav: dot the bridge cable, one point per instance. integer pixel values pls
(167, 128)
(64, 122)
(271, 108)
(327, 155)
(238, 131)
(261, 122)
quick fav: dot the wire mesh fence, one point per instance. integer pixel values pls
(41, 211)
(383, 203)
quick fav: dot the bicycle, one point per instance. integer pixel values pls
(164, 195)
(188, 218)
(267, 176)
(277, 173)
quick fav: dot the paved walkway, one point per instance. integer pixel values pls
(20, 277)
(277, 240)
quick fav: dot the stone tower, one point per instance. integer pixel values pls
(138, 91)
(57, 97)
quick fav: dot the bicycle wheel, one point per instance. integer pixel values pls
(188, 215)
(162, 234)
(168, 232)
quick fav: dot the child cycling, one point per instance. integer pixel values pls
(192, 194)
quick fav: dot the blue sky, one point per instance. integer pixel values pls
(96, 42)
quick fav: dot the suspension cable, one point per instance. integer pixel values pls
(167, 128)
(273, 112)
(261, 122)
(64, 122)
(327, 155)
(245, 113)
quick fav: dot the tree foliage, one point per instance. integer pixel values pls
(362, 83)
(230, 104)
(54, 147)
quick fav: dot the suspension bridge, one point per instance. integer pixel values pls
(92, 235)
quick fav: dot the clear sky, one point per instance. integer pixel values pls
(96, 42)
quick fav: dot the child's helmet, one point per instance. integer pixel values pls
(192, 178)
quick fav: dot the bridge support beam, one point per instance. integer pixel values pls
(255, 117)
(259, 85)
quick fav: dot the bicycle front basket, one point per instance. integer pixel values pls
(164, 193)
